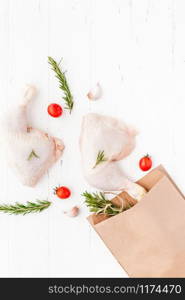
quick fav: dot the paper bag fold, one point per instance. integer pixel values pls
(148, 240)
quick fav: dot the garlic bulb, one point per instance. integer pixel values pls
(73, 212)
(95, 93)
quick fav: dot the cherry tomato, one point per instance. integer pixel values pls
(55, 110)
(62, 192)
(145, 163)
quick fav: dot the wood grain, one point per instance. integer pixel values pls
(136, 50)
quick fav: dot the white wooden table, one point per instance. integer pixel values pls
(136, 50)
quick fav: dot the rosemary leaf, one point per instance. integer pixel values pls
(100, 158)
(98, 203)
(32, 155)
(63, 85)
(29, 207)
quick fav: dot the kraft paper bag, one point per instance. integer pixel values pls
(148, 240)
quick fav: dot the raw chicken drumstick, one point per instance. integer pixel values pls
(105, 134)
(30, 152)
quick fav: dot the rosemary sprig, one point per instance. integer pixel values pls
(98, 203)
(100, 158)
(32, 155)
(29, 207)
(63, 85)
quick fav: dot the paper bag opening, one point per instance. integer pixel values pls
(148, 181)
(148, 240)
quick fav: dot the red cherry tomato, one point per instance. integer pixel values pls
(145, 163)
(55, 110)
(63, 192)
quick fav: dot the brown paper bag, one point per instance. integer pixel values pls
(148, 240)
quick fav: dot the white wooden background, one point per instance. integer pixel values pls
(136, 50)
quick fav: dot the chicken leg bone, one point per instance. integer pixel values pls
(30, 152)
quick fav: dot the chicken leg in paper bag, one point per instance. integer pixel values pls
(107, 135)
(30, 152)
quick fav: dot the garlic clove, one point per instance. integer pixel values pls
(136, 191)
(73, 212)
(95, 93)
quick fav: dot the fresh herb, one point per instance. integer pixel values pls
(100, 158)
(32, 155)
(63, 85)
(29, 207)
(99, 204)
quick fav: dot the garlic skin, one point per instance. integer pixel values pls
(95, 93)
(136, 191)
(73, 212)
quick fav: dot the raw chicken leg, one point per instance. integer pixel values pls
(103, 133)
(30, 152)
